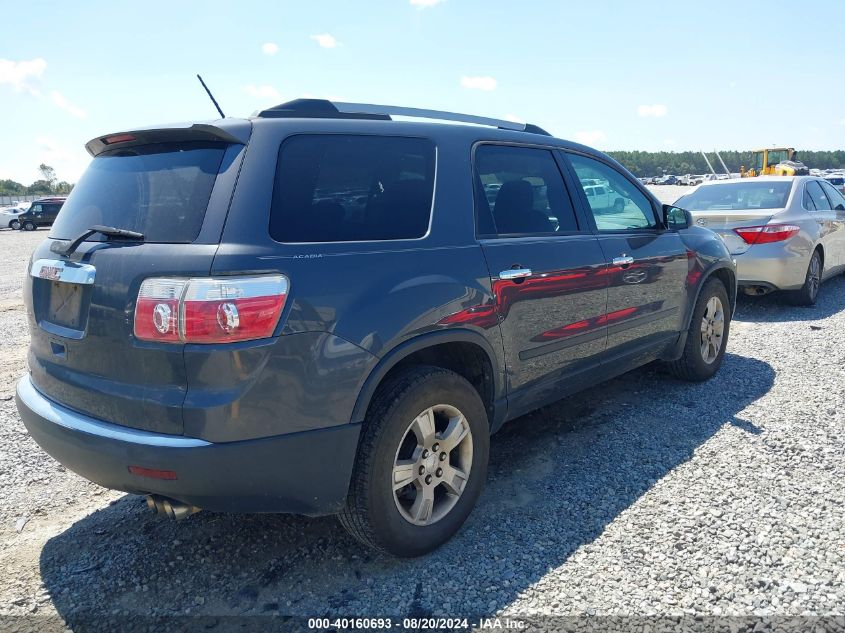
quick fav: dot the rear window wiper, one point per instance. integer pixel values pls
(108, 231)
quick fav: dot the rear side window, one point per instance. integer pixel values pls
(820, 200)
(519, 191)
(833, 195)
(348, 188)
(160, 190)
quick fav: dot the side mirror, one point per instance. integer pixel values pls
(839, 207)
(675, 218)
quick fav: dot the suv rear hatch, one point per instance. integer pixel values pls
(171, 185)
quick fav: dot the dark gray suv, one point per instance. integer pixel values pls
(323, 310)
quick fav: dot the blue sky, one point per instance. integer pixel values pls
(615, 74)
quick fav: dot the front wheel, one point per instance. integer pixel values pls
(29, 226)
(619, 205)
(809, 292)
(421, 463)
(707, 336)
(15, 225)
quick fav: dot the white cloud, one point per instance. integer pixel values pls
(51, 152)
(325, 40)
(669, 142)
(263, 92)
(22, 76)
(841, 121)
(269, 48)
(590, 137)
(655, 110)
(514, 119)
(424, 4)
(60, 100)
(478, 83)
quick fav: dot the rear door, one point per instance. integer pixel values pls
(547, 270)
(832, 233)
(83, 350)
(647, 265)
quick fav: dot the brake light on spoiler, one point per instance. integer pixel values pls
(209, 310)
(768, 233)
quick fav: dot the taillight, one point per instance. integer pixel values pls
(209, 310)
(767, 234)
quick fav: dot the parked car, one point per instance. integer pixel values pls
(838, 181)
(602, 198)
(212, 327)
(667, 180)
(786, 233)
(9, 217)
(42, 212)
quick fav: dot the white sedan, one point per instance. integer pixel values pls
(9, 217)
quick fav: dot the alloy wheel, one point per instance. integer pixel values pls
(432, 465)
(712, 330)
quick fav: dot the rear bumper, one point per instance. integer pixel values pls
(302, 473)
(772, 265)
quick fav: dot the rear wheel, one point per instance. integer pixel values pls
(809, 292)
(15, 224)
(707, 336)
(29, 226)
(421, 463)
(619, 205)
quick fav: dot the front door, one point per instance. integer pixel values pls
(547, 270)
(648, 264)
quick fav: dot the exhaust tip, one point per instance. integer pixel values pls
(170, 508)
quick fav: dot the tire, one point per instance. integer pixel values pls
(29, 226)
(809, 292)
(699, 362)
(383, 519)
(15, 225)
(619, 205)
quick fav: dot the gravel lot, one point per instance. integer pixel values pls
(645, 496)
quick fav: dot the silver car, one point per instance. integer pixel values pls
(786, 233)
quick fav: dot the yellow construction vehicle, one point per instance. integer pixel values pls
(774, 161)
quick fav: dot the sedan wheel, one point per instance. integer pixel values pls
(809, 292)
(15, 224)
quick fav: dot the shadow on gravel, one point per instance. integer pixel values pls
(558, 477)
(775, 307)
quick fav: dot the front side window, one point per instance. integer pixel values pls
(530, 196)
(348, 188)
(820, 200)
(617, 205)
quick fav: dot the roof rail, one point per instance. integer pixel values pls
(322, 108)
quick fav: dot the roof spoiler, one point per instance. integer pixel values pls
(174, 134)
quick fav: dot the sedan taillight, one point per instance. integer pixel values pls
(767, 234)
(209, 310)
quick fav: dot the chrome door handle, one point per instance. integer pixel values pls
(625, 260)
(515, 273)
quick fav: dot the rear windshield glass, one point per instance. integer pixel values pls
(159, 190)
(343, 188)
(746, 194)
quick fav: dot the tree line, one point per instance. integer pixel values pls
(657, 163)
(47, 184)
(639, 163)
